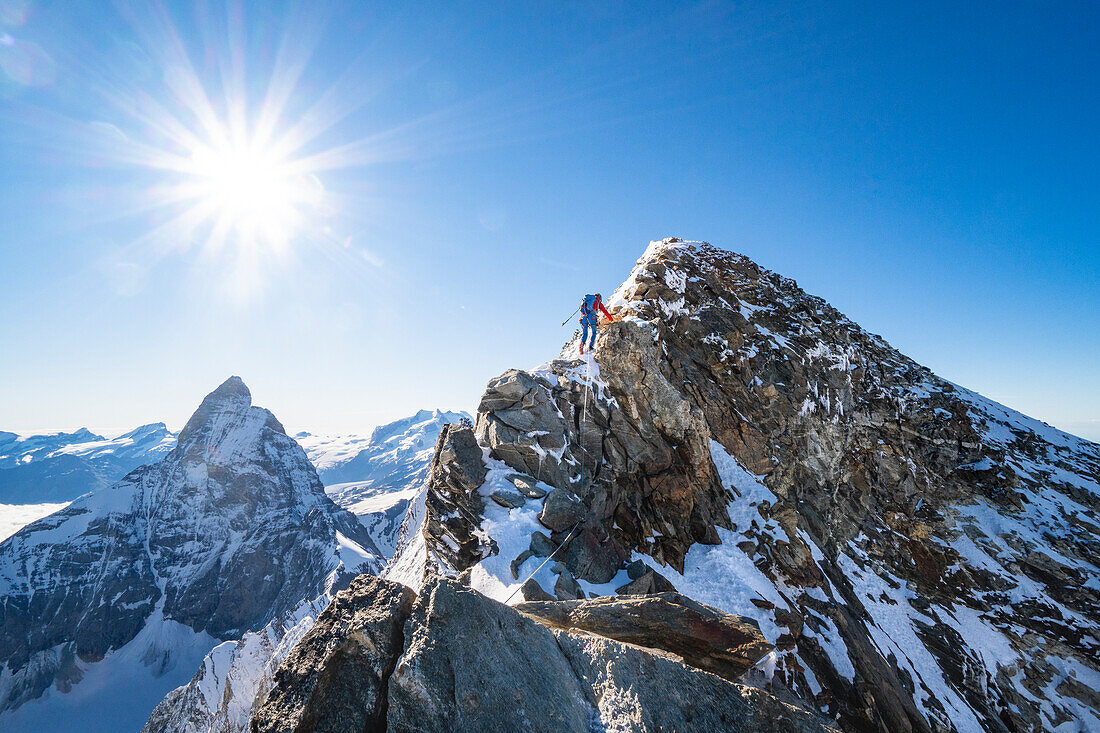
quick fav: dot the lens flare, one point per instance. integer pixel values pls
(251, 192)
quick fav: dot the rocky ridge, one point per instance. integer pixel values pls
(384, 658)
(923, 559)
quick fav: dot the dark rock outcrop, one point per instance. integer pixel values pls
(471, 664)
(454, 508)
(703, 637)
(336, 677)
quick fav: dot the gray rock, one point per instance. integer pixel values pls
(636, 569)
(650, 582)
(541, 545)
(473, 664)
(532, 591)
(335, 678)
(527, 486)
(566, 587)
(516, 564)
(638, 691)
(561, 510)
(454, 509)
(592, 557)
(508, 499)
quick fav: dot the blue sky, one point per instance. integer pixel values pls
(462, 174)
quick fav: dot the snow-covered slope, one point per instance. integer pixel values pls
(923, 558)
(108, 604)
(388, 469)
(58, 467)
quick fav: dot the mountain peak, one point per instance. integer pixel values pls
(232, 397)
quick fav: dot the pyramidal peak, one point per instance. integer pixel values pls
(226, 425)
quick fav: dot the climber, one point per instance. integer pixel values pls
(590, 318)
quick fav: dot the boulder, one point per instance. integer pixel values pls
(335, 677)
(636, 569)
(508, 499)
(527, 486)
(593, 556)
(541, 545)
(566, 588)
(561, 510)
(532, 591)
(649, 582)
(704, 637)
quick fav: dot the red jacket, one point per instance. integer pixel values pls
(599, 306)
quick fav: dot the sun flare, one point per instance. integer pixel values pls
(251, 193)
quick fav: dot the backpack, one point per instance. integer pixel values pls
(588, 305)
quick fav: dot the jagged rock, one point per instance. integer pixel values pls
(508, 499)
(638, 691)
(541, 545)
(561, 510)
(527, 486)
(650, 582)
(532, 591)
(452, 524)
(566, 587)
(335, 678)
(720, 643)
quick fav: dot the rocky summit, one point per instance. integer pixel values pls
(743, 513)
(922, 558)
(131, 584)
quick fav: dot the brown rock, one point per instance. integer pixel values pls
(704, 637)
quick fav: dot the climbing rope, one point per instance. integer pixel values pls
(541, 566)
(584, 420)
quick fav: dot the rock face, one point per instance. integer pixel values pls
(454, 507)
(460, 661)
(703, 637)
(335, 678)
(230, 530)
(923, 559)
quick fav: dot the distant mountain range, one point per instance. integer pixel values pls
(58, 467)
(106, 603)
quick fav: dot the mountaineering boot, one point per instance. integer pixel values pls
(582, 349)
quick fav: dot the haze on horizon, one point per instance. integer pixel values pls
(366, 210)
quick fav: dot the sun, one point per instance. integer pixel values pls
(250, 192)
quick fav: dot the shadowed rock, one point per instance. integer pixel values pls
(335, 678)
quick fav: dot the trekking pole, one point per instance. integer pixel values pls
(570, 316)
